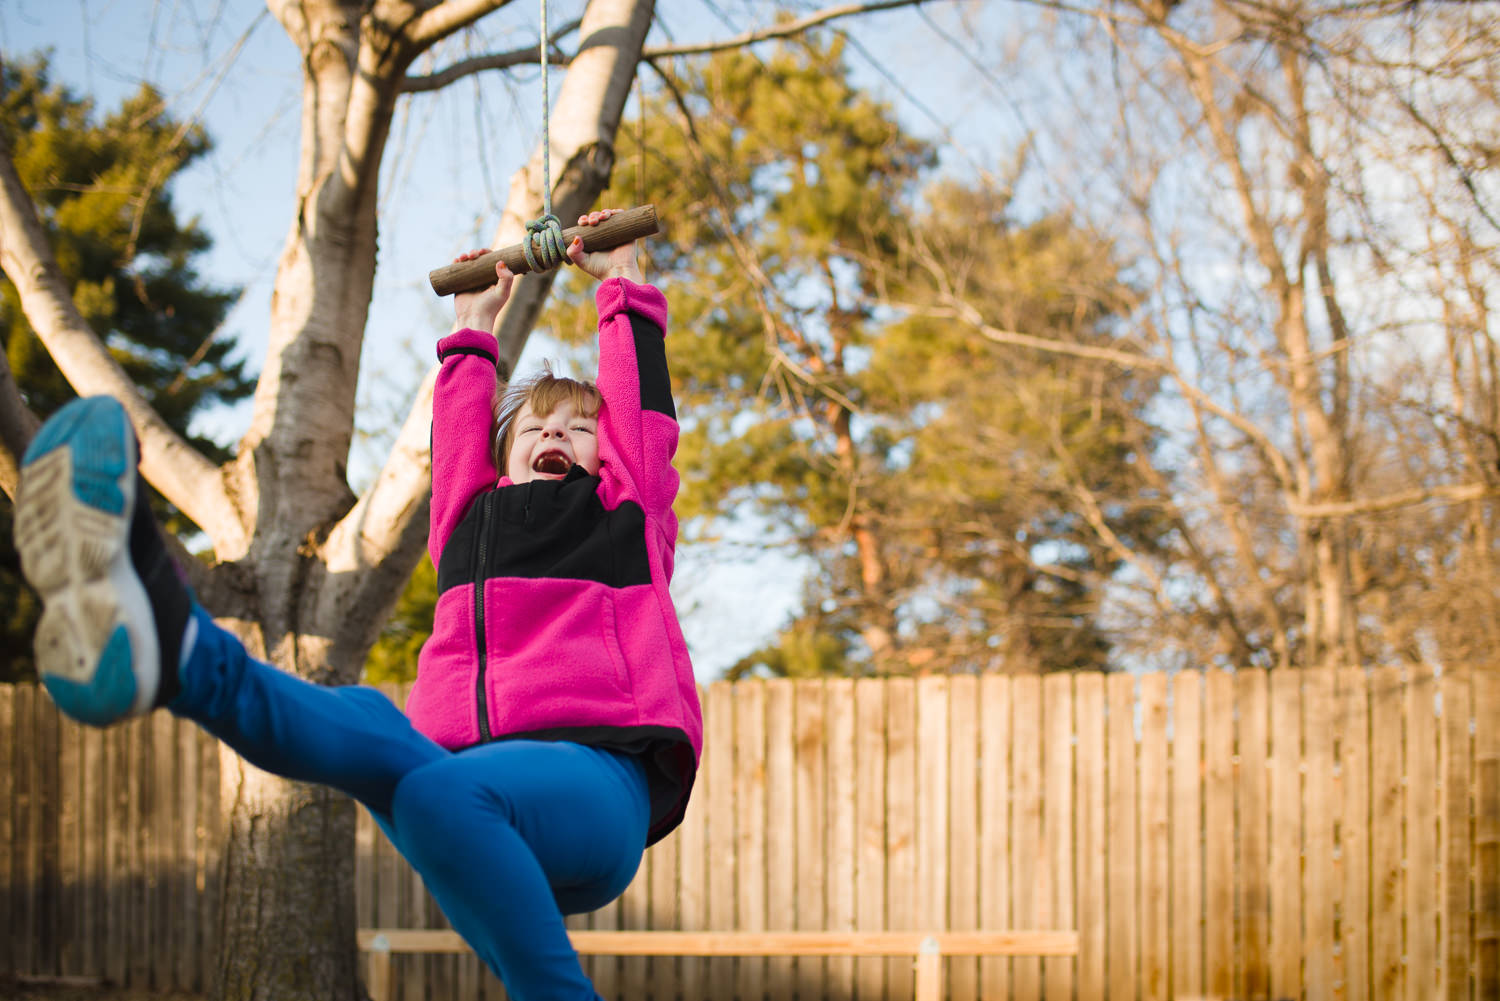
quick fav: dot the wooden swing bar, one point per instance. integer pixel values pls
(620, 228)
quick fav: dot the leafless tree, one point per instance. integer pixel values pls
(1305, 194)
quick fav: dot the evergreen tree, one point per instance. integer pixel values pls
(101, 189)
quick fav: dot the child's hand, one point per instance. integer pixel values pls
(619, 262)
(478, 309)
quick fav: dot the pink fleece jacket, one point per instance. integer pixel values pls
(553, 617)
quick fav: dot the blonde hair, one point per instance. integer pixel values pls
(544, 392)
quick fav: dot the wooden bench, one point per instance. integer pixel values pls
(928, 948)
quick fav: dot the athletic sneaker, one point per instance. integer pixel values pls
(115, 609)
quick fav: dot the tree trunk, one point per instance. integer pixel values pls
(288, 917)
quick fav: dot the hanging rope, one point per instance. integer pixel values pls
(544, 246)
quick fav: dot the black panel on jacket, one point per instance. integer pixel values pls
(651, 363)
(548, 528)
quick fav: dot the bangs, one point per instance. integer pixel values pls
(544, 393)
(549, 392)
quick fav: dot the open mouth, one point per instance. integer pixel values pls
(552, 464)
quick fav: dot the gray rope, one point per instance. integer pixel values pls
(544, 247)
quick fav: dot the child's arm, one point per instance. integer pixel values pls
(462, 419)
(638, 423)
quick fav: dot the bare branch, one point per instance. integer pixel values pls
(523, 56)
(1452, 493)
(495, 61)
(786, 29)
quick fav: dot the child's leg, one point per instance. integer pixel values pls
(350, 738)
(510, 836)
(116, 637)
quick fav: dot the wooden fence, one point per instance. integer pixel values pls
(1224, 835)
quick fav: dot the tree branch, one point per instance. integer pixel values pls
(786, 29)
(184, 476)
(522, 56)
(443, 19)
(1451, 493)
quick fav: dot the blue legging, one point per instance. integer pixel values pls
(507, 836)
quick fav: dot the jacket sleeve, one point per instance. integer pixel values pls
(638, 422)
(462, 424)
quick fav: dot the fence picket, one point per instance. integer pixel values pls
(1285, 839)
(1055, 874)
(1154, 835)
(11, 931)
(1187, 834)
(92, 814)
(870, 791)
(962, 975)
(1487, 835)
(1352, 965)
(781, 827)
(1092, 835)
(900, 824)
(692, 878)
(810, 900)
(70, 909)
(1124, 857)
(1387, 888)
(750, 808)
(719, 745)
(1254, 804)
(1421, 836)
(843, 834)
(48, 797)
(931, 799)
(1026, 821)
(662, 971)
(1318, 809)
(28, 830)
(1218, 834)
(994, 825)
(1457, 927)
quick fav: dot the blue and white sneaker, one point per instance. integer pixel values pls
(115, 608)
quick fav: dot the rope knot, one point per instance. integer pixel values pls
(544, 247)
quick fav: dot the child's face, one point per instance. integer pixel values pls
(545, 448)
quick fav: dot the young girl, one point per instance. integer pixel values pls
(553, 731)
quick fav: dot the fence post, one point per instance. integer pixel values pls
(380, 968)
(930, 971)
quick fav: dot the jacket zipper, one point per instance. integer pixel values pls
(480, 646)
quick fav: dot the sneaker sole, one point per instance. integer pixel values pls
(96, 641)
